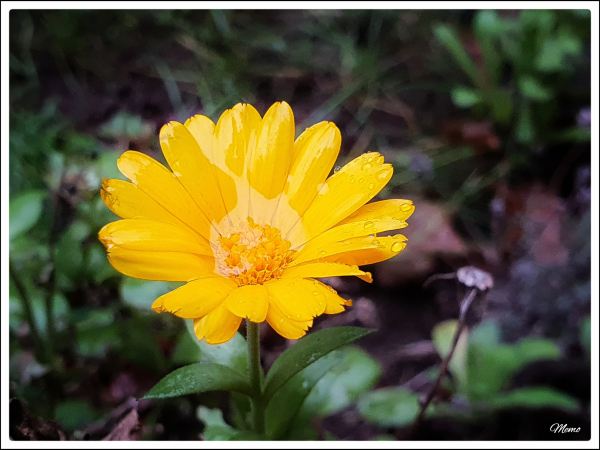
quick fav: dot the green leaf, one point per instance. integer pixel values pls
(532, 349)
(352, 376)
(534, 397)
(531, 88)
(201, 377)
(306, 351)
(525, 131)
(24, 212)
(464, 97)
(74, 414)
(140, 293)
(443, 335)
(501, 104)
(186, 351)
(389, 407)
(286, 402)
(233, 353)
(215, 427)
(448, 37)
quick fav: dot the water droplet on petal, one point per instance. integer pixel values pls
(315, 293)
(298, 316)
(375, 242)
(361, 180)
(352, 179)
(280, 320)
(322, 253)
(369, 159)
(366, 167)
(337, 169)
(406, 207)
(397, 246)
(369, 224)
(354, 266)
(240, 301)
(371, 186)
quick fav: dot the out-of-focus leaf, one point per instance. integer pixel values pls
(487, 27)
(465, 97)
(448, 37)
(502, 105)
(69, 252)
(306, 351)
(24, 212)
(96, 333)
(140, 293)
(97, 266)
(525, 130)
(443, 335)
(201, 377)
(233, 353)
(389, 407)
(531, 349)
(74, 414)
(534, 397)
(186, 351)
(286, 402)
(354, 374)
(215, 427)
(531, 88)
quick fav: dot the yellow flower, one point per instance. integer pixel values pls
(248, 218)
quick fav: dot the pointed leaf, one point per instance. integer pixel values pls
(288, 400)
(197, 378)
(306, 351)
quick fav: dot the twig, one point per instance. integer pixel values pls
(464, 308)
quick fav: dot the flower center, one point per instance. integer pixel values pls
(253, 254)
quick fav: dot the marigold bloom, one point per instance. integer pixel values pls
(248, 218)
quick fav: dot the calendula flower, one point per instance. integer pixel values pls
(248, 218)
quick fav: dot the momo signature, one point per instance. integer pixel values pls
(563, 428)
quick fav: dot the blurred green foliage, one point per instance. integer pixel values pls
(87, 85)
(481, 374)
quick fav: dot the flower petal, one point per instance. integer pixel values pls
(335, 303)
(128, 201)
(160, 266)
(394, 209)
(203, 180)
(250, 302)
(341, 195)
(151, 235)
(203, 129)
(196, 298)
(288, 328)
(270, 157)
(162, 186)
(297, 299)
(340, 238)
(388, 247)
(269, 162)
(217, 326)
(323, 270)
(234, 137)
(315, 152)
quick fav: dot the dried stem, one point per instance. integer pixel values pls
(464, 308)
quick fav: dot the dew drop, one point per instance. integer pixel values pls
(366, 167)
(354, 266)
(335, 191)
(361, 180)
(351, 178)
(280, 320)
(396, 247)
(369, 159)
(371, 186)
(379, 161)
(405, 207)
(337, 169)
(375, 242)
(322, 253)
(315, 293)
(369, 224)
(298, 316)
(240, 301)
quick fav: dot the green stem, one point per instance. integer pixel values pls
(40, 348)
(258, 407)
